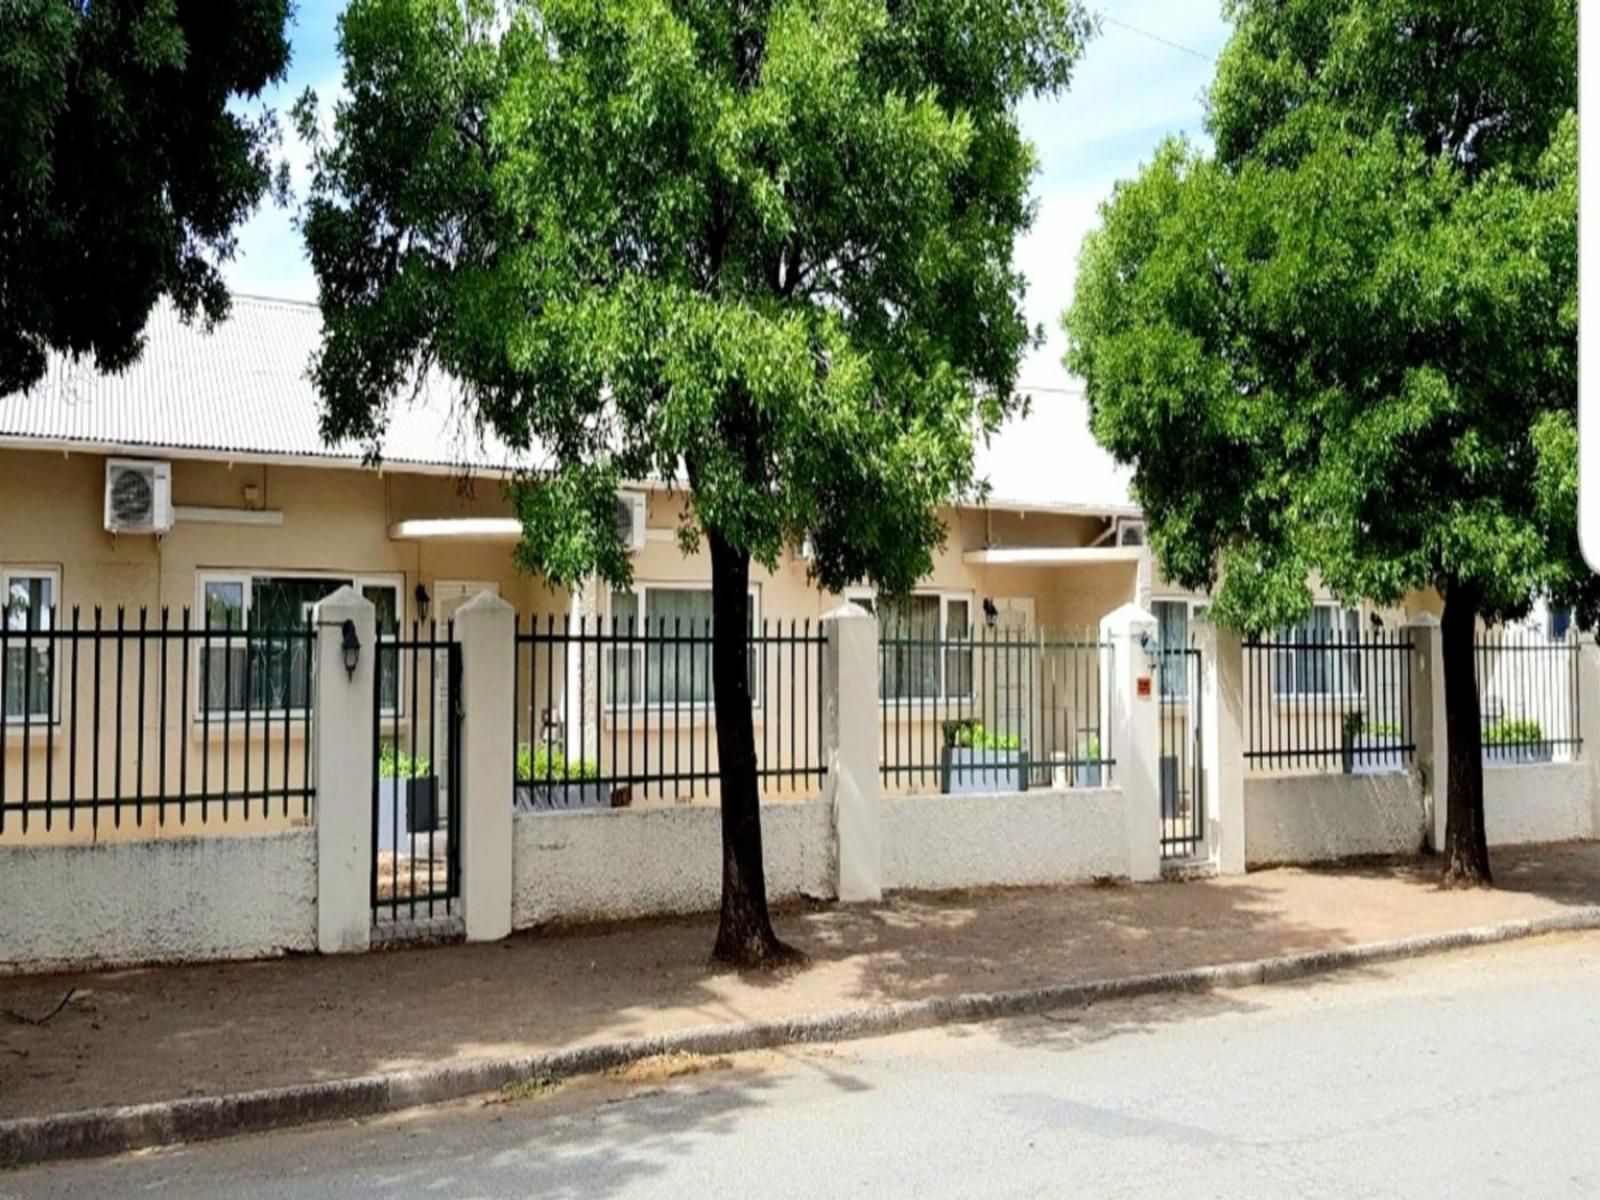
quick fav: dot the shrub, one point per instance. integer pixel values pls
(540, 764)
(969, 734)
(397, 764)
(1507, 732)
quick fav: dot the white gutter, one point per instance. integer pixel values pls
(1053, 556)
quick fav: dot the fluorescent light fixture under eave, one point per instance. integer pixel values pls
(488, 529)
(1053, 556)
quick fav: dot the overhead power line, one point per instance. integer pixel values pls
(1156, 37)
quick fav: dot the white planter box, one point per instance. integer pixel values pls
(972, 772)
(1380, 755)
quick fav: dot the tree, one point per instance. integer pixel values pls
(123, 169)
(763, 249)
(1345, 341)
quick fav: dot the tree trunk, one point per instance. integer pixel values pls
(744, 933)
(1466, 848)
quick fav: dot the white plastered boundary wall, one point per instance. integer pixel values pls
(1322, 818)
(171, 900)
(1538, 802)
(638, 862)
(1015, 839)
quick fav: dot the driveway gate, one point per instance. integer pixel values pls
(416, 784)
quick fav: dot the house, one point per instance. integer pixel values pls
(197, 482)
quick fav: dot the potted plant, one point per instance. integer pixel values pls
(547, 779)
(977, 760)
(408, 791)
(1371, 747)
(1088, 771)
(1515, 741)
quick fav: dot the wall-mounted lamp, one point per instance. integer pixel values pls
(423, 600)
(350, 643)
(991, 614)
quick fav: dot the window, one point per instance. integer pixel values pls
(658, 671)
(1559, 624)
(269, 671)
(28, 597)
(1172, 622)
(927, 641)
(1330, 662)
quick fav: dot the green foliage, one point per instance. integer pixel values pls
(539, 764)
(1345, 342)
(970, 734)
(762, 249)
(125, 166)
(1356, 725)
(397, 764)
(1512, 732)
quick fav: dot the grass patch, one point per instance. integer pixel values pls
(527, 1089)
(668, 1066)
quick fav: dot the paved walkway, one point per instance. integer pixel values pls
(162, 1033)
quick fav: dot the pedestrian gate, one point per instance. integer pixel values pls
(1182, 782)
(416, 784)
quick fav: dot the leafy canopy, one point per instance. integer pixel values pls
(764, 248)
(123, 170)
(1345, 342)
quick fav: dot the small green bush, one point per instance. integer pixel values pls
(969, 734)
(1513, 732)
(397, 764)
(539, 764)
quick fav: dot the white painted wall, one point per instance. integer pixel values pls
(1538, 802)
(1321, 818)
(636, 862)
(172, 900)
(1015, 839)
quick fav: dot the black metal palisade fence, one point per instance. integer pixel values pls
(609, 712)
(1331, 700)
(124, 719)
(1527, 697)
(992, 710)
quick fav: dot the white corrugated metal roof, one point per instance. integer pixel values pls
(242, 391)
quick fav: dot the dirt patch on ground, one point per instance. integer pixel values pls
(138, 1035)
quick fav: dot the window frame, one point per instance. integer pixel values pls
(1192, 609)
(945, 642)
(246, 577)
(641, 592)
(1293, 655)
(52, 572)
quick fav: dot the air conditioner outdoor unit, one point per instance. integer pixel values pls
(1130, 533)
(138, 496)
(630, 520)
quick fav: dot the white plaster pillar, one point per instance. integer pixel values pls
(1589, 720)
(1222, 725)
(850, 746)
(341, 718)
(485, 626)
(1133, 717)
(1428, 729)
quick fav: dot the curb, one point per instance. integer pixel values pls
(102, 1131)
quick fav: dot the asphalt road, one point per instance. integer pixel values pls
(1472, 1075)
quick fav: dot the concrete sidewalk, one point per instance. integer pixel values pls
(136, 1036)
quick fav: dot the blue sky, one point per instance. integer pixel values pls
(1132, 88)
